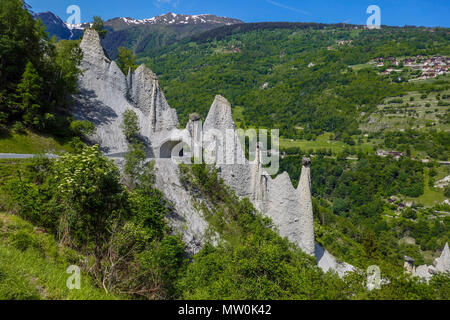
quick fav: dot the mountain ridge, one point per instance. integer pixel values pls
(174, 19)
(139, 35)
(56, 26)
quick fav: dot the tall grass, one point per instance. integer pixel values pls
(33, 266)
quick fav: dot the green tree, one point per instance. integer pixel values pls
(134, 159)
(409, 213)
(82, 128)
(20, 41)
(98, 26)
(68, 57)
(130, 125)
(89, 187)
(126, 60)
(340, 206)
(37, 74)
(370, 244)
(28, 95)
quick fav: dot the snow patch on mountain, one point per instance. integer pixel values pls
(177, 19)
(78, 26)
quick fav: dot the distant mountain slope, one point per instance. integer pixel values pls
(143, 36)
(148, 39)
(293, 76)
(172, 19)
(147, 36)
(57, 27)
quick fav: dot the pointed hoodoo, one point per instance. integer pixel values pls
(306, 208)
(91, 45)
(220, 115)
(221, 142)
(101, 96)
(443, 264)
(105, 93)
(146, 94)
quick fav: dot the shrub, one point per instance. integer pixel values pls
(18, 127)
(409, 214)
(22, 240)
(250, 261)
(79, 199)
(82, 128)
(130, 125)
(15, 286)
(339, 206)
(98, 26)
(447, 191)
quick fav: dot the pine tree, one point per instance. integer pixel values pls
(27, 94)
(20, 41)
(370, 244)
(130, 125)
(99, 27)
(126, 60)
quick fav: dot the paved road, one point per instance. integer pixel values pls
(22, 156)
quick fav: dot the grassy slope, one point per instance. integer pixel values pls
(324, 141)
(29, 143)
(431, 196)
(9, 169)
(33, 266)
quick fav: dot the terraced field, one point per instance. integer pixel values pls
(413, 110)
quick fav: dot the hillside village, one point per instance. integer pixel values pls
(425, 67)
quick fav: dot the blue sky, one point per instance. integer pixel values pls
(393, 12)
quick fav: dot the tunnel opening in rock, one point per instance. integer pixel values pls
(173, 149)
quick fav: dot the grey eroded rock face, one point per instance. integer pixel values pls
(306, 208)
(102, 95)
(422, 272)
(327, 261)
(105, 93)
(147, 96)
(185, 219)
(220, 115)
(289, 209)
(441, 264)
